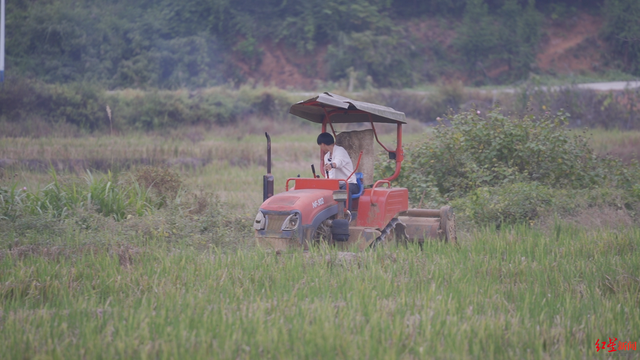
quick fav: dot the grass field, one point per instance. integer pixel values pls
(142, 289)
(514, 294)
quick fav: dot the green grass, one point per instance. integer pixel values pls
(176, 285)
(518, 293)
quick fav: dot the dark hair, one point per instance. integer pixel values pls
(325, 138)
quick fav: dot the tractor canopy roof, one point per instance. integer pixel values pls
(340, 109)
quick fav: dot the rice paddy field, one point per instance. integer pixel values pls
(186, 281)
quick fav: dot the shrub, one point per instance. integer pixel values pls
(479, 151)
(498, 169)
(510, 203)
(163, 183)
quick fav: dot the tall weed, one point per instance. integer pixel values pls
(11, 199)
(60, 200)
(115, 200)
(54, 200)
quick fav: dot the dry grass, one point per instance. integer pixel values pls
(600, 218)
(604, 217)
(624, 145)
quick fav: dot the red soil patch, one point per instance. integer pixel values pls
(572, 45)
(285, 68)
(428, 32)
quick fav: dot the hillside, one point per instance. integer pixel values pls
(302, 44)
(565, 48)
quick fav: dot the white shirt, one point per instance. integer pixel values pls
(344, 166)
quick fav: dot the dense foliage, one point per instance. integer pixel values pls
(33, 108)
(497, 168)
(89, 108)
(195, 43)
(622, 31)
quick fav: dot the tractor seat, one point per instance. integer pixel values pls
(359, 177)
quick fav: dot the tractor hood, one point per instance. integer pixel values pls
(309, 202)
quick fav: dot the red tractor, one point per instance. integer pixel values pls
(315, 209)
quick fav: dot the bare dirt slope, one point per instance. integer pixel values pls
(285, 67)
(567, 47)
(571, 46)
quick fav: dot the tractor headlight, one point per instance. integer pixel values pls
(260, 222)
(291, 222)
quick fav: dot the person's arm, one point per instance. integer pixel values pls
(327, 165)
(340, 158)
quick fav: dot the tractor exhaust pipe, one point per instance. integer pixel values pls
(267, 180)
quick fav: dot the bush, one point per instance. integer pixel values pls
(500, 169)
(527, 202)
(163, 183)
(507, 204)
(485, 151)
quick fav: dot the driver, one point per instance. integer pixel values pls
(337, 162)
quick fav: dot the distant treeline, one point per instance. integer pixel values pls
(193, 43)
(33, 108)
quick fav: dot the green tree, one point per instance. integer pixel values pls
(387, 58)
(518, 37)
(415, 8)
(622, 31)
(476, 39)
